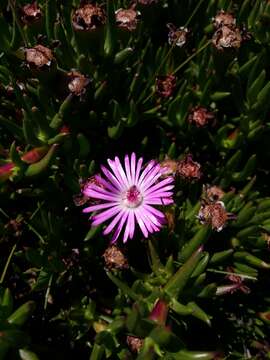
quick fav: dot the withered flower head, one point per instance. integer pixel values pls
(177, 36)
(224, 18)
(200, 116)
(78, 83)
(213, 193)
(237, 280)
(39, 56)
(114, 258)
(88, 17)
(227, 37)
(134, 343)
(168, 167)
(30, 13)
(165, 85)
(127, 18)
(214, 214)
(189, 169)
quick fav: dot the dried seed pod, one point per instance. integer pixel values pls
(39, 56)
(127, 18)
(227, 37)
(165, 85)
(114, 258)
(189, 169)
(134, 343)
(77, 83)
(88, 17)
(224, 18)
(214, 214)
(30, 13)
(200, 116)
(177, 36)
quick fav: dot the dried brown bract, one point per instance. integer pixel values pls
(165, 85)
(30, 13)
(88, 17)
(39, 56)
(224, 18)
(114, 258)
(215, 215)
(201, 117)
(227, 37)
(77, 83)
(134, 343)
(127, 18)
(189, 169)
(177, 36)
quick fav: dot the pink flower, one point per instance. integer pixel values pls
(128, 195)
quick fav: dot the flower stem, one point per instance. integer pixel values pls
(194, 12)
(7, 263)
(191, 57)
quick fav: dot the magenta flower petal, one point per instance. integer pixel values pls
(127, 194)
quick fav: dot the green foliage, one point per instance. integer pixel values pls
(190, 292)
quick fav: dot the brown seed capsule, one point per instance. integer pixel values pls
(165, 85)
(39, 56)
(200, 116)
(30, 13)
(177, 36)
(224, 18)
(213, 193)
(214, 214)
(78, 83)
(134, 343)
(114, 258)
(189, 169)
(127, 18)
(88, 17)
(227, 37)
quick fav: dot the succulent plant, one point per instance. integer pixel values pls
(183, 84)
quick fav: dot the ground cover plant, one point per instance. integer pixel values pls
(134, 179)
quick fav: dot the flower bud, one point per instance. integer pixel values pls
(160, 312)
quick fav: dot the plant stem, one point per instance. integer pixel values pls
(7, 263)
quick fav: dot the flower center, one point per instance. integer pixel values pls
(132, 197)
